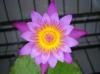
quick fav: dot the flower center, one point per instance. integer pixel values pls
(49, 38)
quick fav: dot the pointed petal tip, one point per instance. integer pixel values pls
(68, 58)
(77, 33)
(52, 62)
(66, 49)
(83, 32)
(45, 58)
(28, 36)
(59, 55)
(52, 65)
(69, 16)
(44, 68)
(35, 53)
(52, 8)
(38, 60)
(26, 49)
(36, 17)
(52, 1)
(71, 42)
(46, 18)
(66, 20)
(21, 26)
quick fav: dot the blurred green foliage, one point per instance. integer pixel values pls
(26, 65)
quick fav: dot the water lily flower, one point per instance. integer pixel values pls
(49, 37)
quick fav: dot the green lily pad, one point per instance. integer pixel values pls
(64, 68)
(26, 65)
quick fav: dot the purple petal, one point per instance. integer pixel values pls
(52, 1)
(52, 8)
(66, 49)
(71, 42)
(28, 36)
(59, 55)
(77, 33)
(68, 29)
(45, 57)
(38, 60)
(44, 68)
(52, 61)
(32, 26)
(65, 23)
(26, 50)
(66, 20)
(35, 53)
(36, 17)
(55, 18)
(46, 19)
(21, 26)
(68, 58)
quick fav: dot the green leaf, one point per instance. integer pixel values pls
(24, 65)
(64, 68)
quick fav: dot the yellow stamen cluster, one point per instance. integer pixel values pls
(49, 37)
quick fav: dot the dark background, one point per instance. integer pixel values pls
(86, 15)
